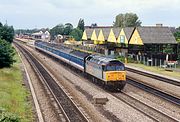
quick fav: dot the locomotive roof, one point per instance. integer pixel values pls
(102, 59)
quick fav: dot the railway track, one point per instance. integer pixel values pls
(144, 108)
(167, 80)
(149, 111)
(149, 89)
(154, 91)
(69, 109)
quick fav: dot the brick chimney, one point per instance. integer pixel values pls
(159, 25)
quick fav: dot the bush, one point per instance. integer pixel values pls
(9, 117)
(6, 54)
(131, 60)
(121, 58)
(7, 32)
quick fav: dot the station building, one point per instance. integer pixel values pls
(149, 41)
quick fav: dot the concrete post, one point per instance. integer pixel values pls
(112, 52)
(160, 63)
(106, 52)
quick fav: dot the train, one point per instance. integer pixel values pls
(107, 71)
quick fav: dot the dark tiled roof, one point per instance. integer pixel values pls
(116, 31)
(156, 35)
(89, 33)
(128, 32)
(97, 32)
(106, 32)
(88, 27)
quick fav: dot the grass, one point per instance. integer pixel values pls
(13, 95)
(156, 70)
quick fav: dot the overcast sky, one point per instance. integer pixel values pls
(48, 13)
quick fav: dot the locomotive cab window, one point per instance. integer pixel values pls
(114, 68)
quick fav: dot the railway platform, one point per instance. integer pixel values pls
(157, 74)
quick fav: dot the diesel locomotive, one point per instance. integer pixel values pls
(110, 72)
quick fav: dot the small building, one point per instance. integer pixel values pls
(44, 36)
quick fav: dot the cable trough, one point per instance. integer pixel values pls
(70, 111)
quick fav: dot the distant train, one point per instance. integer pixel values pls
(110, 72)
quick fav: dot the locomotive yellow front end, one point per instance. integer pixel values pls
(115, 75)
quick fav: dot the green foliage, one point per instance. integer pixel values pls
(6, 32)
(58, 29)
(81, 24)
(122, 59)
(94, 25)
(68, 28)
(14, 97)
(77, 34)
(1, 24)
(177, 36)
(61, 29)
(6, 54)
(8, 117)
(178, 51)
(127, 20)
(28, 31)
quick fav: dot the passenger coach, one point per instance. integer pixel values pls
(108, 71)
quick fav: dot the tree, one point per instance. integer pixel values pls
(77, 34)
(58, 29)
(68, 28)
(1, 25)
(6, 32)
(127, 20)
(177, 36)
(6, 54)
(81, 24)
(94, 25)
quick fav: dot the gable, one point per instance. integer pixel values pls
(101, 36)
(111, 37)
(122, 38)
(94, 36)
(84, 37)
(136, 39)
